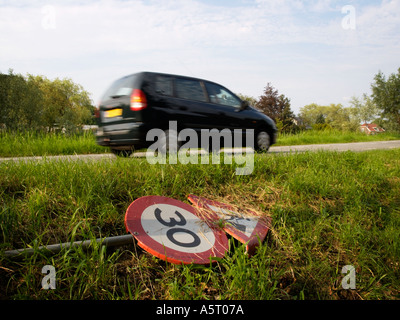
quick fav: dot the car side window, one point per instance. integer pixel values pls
(189, 89)
(163, 85)
(220, 95)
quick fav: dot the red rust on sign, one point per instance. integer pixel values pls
(246, 225)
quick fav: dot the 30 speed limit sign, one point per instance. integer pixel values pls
(171, 230)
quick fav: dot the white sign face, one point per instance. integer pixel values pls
(177, 228)
(245, 225)
(174, 231)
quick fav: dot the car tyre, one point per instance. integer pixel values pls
(262, 141)
(122, 153)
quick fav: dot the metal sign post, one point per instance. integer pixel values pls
(178, 232)
(54, 248)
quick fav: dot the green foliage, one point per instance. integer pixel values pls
(321, 126)
(251, 100)
(279, 125)
(20, 144)
(277, 107)
(328, 135)
(35, 102)
(20, 102)
(363, 109)
(386, 95)
(38, 143)
(320, 119)
(334, 116)
(328, 210)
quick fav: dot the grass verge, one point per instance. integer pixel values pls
(329, 210)
(24, 144)
(332, 136)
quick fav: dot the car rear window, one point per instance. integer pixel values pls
(189, 89)
(120, 88)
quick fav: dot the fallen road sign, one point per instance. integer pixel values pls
(244, 225)
(173, 231)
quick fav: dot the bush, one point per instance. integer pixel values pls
(35, 102)
(321, 126)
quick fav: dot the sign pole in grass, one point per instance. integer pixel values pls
(178, 232)
(54, 248)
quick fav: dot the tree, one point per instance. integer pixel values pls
(19, 102)
(313, 114)
(320, 119)
(386, 95)
(277, 107)
(333, 116)
(35, 102)
(363, 110)
(251, 100)
(339, 118)
(64, 104)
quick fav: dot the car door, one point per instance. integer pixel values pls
(191, 103)
(226, 106)
(230, 114)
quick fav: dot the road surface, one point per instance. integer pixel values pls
(356, 147)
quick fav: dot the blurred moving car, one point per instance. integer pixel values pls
(137, 103)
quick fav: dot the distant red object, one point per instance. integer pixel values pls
(371, 128)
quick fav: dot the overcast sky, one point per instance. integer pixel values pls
(320, 51)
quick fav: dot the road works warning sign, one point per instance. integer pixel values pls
(173, 231)
(245, 225)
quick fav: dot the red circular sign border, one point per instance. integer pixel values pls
(134, 226)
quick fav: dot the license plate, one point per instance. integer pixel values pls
(113, 113)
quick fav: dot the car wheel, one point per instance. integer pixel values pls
(262, 141)
(122, 153)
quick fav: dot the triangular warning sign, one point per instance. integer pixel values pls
(244, 225)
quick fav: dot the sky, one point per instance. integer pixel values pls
(315, 51)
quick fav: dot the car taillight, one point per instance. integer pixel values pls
(97, 110)
(97, 113)
(138, 100)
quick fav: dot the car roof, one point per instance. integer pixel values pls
(170, 75)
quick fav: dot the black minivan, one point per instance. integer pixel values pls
(137, 103)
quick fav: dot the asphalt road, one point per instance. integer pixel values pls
(356, 147)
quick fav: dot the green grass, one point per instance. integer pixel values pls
(329, 210)
(332, 136)
(22, 144)
(25, 144)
